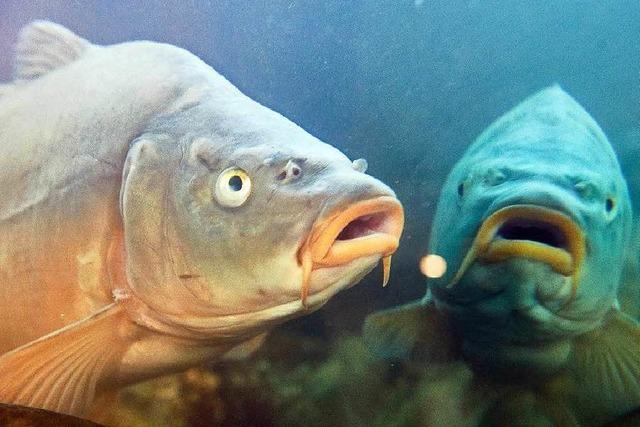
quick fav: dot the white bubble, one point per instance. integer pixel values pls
(433, 266)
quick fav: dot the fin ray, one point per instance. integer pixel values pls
(60, 371)
(44, 46)
(50, 392)
(605, 367)
(39, 384)
(63, 391)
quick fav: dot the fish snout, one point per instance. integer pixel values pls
(367, 227)
(529, 232)
(364, 218)
(534, 232)
(536, 220)
(363, 221)
(541, 194)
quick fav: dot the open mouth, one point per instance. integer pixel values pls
(532, 232)
(369, 227)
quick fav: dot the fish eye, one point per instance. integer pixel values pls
(610, 204)
(233, 187)
(461, 189)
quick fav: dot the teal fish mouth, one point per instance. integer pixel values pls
(532, 232)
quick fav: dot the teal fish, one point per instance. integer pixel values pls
(533, 222)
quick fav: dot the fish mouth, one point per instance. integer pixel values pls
(366, 228)
(529, 231)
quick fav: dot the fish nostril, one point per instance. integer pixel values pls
(290, 172)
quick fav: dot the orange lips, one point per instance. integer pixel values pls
(369, 227)
(498, 239)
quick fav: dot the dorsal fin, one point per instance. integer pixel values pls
(44, 46)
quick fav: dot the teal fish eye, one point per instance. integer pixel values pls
(610, 204)
(461, 189)
(235, 183)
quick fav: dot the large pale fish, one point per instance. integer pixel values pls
(532, 222)
(154, 217)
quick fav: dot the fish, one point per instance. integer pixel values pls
(153, 217)
(532, 225)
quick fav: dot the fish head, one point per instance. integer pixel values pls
(253, 220)
(533, 221)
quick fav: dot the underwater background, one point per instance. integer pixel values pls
(405, 84)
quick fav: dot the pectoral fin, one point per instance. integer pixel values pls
(605, 367)
(60, 371)
(413, 329)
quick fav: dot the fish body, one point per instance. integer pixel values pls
(533, 222)
(154, 217)
(551, 171)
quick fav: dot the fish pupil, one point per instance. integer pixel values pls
(460, 189)
(609, 205)
(235, 183)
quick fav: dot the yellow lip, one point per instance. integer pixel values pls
(375, 225)
(490, 247)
